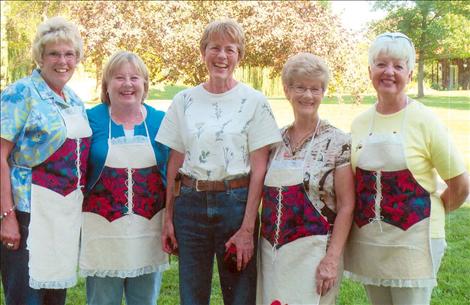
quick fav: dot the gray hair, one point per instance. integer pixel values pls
(305, 65)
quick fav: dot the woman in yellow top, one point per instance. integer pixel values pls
(397, 239)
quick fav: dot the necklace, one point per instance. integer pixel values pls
(297, 145)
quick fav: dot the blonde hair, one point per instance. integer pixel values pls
(305, 65)
(115, 62)
(53, 30)
(396, 45)
(226, 28)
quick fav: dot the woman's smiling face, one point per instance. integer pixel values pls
(389, 75)
(126, 85)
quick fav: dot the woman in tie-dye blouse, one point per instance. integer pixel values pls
(44, 150)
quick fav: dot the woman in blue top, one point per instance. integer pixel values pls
(122, 219)
(44, 150)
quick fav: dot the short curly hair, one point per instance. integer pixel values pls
(53, 30)
(305, 65)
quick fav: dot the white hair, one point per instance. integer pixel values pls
(396, 45)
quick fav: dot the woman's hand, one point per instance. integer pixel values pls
(169, 243)
(10, 232)
(326, 274)
(243, 241)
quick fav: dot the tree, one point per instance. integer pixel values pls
(425, 23)
(18, 31)
(166, 35)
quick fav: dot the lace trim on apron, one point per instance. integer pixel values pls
(125, 273)
(391, 283)
(53, 284)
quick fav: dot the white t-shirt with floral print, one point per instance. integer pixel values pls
(216, 132)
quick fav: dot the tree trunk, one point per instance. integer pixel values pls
(420, 75)
(445, 74)
(422, 42)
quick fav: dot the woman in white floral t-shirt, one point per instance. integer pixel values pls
(219, 133)
(308, 197)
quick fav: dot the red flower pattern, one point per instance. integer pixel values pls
(108, 197)
(59, 173)
(299, 217)
(404, 202)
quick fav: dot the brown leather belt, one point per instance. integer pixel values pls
(215, 186)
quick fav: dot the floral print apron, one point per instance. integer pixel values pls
(56, 203)
(122, 217)
(389, 244)
(294, 235)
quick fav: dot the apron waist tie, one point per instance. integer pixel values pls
(78, 164)
(279, 198)
(130, 192)
(378, 218)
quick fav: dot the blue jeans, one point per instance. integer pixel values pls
(15, 275)
(203, 222)
(140, 290)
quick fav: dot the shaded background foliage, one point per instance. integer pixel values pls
(166, 35)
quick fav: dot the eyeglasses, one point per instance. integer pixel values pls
(394, 36)
(57, 56)
(302, 90)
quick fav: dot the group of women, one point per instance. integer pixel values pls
(120, 186)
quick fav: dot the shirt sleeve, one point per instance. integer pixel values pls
(343, 149)
(444, 154)
(263, 129)
(169, 133)
(15, 110)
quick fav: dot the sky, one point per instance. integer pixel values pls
(355, 14)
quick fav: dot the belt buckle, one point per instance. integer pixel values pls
(197, 186)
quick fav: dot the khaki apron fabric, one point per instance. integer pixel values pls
(128, 246)
(54, 230)
(287, 274)
(380, 253)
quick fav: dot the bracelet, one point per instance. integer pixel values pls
(5, 214)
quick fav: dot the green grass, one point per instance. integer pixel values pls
(167, 93)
